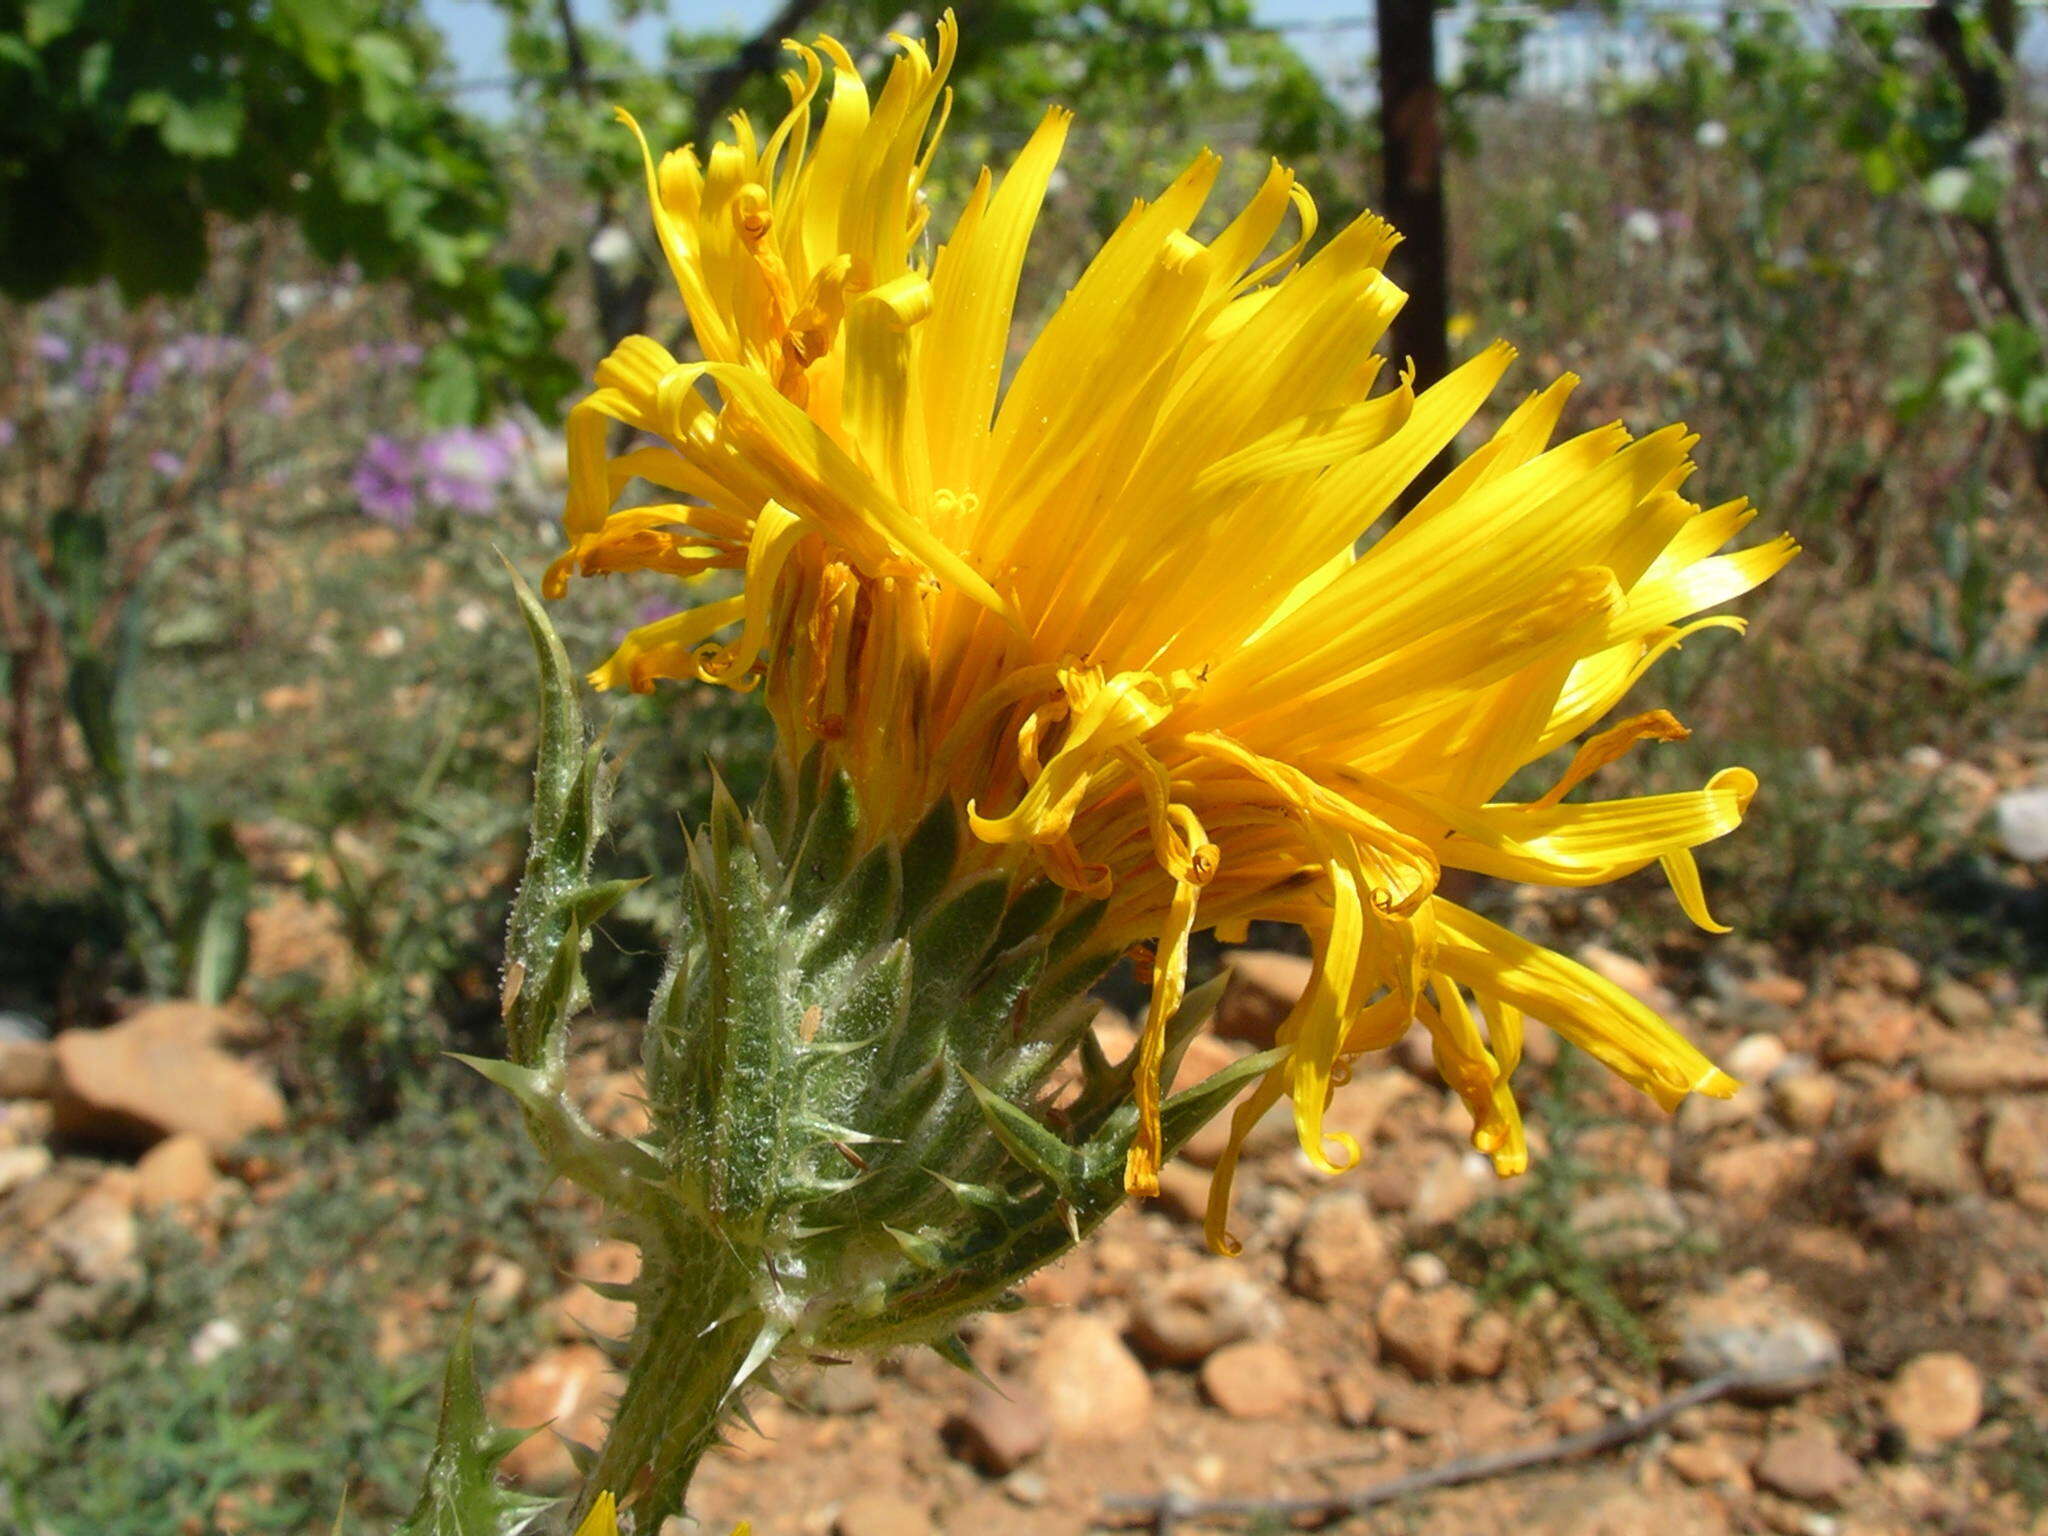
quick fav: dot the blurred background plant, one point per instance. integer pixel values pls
(292, 305)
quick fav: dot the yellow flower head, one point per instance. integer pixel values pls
(1116, 610)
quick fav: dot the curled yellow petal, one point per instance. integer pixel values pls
(667, 648)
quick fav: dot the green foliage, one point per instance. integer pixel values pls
(1906, 117)
(136, 122)
(1966, 628)
(2020, 1462)
(253, 1385)
(2000, 371)
(1874, 851)
(176, 876)
(1918, 98)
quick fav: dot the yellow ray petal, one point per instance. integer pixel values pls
(1593, 844)
(1585, 1008)
(1611, 745)
(673, 225)
(1169, 986)
(1659, 601)
(777, 533)
(974, 290)
(819, 479)
(666, 648)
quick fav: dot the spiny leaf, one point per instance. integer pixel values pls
(567, 816)
(861, 913)
(586, 906)
(950, 943)
(1068, 937)
(1102, 1093)
(550, 1003)
(1187, 1021)
(1180, 1117)
(618, 1171)
(921, 1251)
(775, 805)
(462, 1496)
(978, 1197)
(1188, 1111)
(953, 1350)
(1025, 1139)
(561, 716)
(1030, 910)
(729, 829)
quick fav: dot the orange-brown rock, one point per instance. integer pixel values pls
(582, 1311)
(1264, 987)
(998, 1429)
(569, 1388)
(291, 936)
(1806, 1462)
(1092, 1387)
(1935, 1399)
(163, 1073)
(177, 1174)
(1878, 965)
(1186, 1317)
(1258, 1379)
(2003, 1061)
(1421, 1331)
(1867, 1025)
(1339, 1248)
(28, 1069)
(1757, 1175)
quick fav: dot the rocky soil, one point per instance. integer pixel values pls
(1871, 1210)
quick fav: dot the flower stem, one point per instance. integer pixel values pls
(693, 1346)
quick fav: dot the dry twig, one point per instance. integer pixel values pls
(1319, 1511)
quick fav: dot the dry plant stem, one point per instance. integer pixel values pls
(1168, 1508)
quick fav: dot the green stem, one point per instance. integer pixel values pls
(694, 1338)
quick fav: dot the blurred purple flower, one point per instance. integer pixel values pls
(198, 352)
(465, 466)
(52, 348)
(403, 354)
(277, 403)
(460, 470)
(7, 431)
(102, 363)
(386, 481)
(166, 463)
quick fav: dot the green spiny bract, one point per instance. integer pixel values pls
(461, 1495)
(851, 1143)
(845, 1069)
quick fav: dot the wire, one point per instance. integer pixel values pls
(683, 70)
